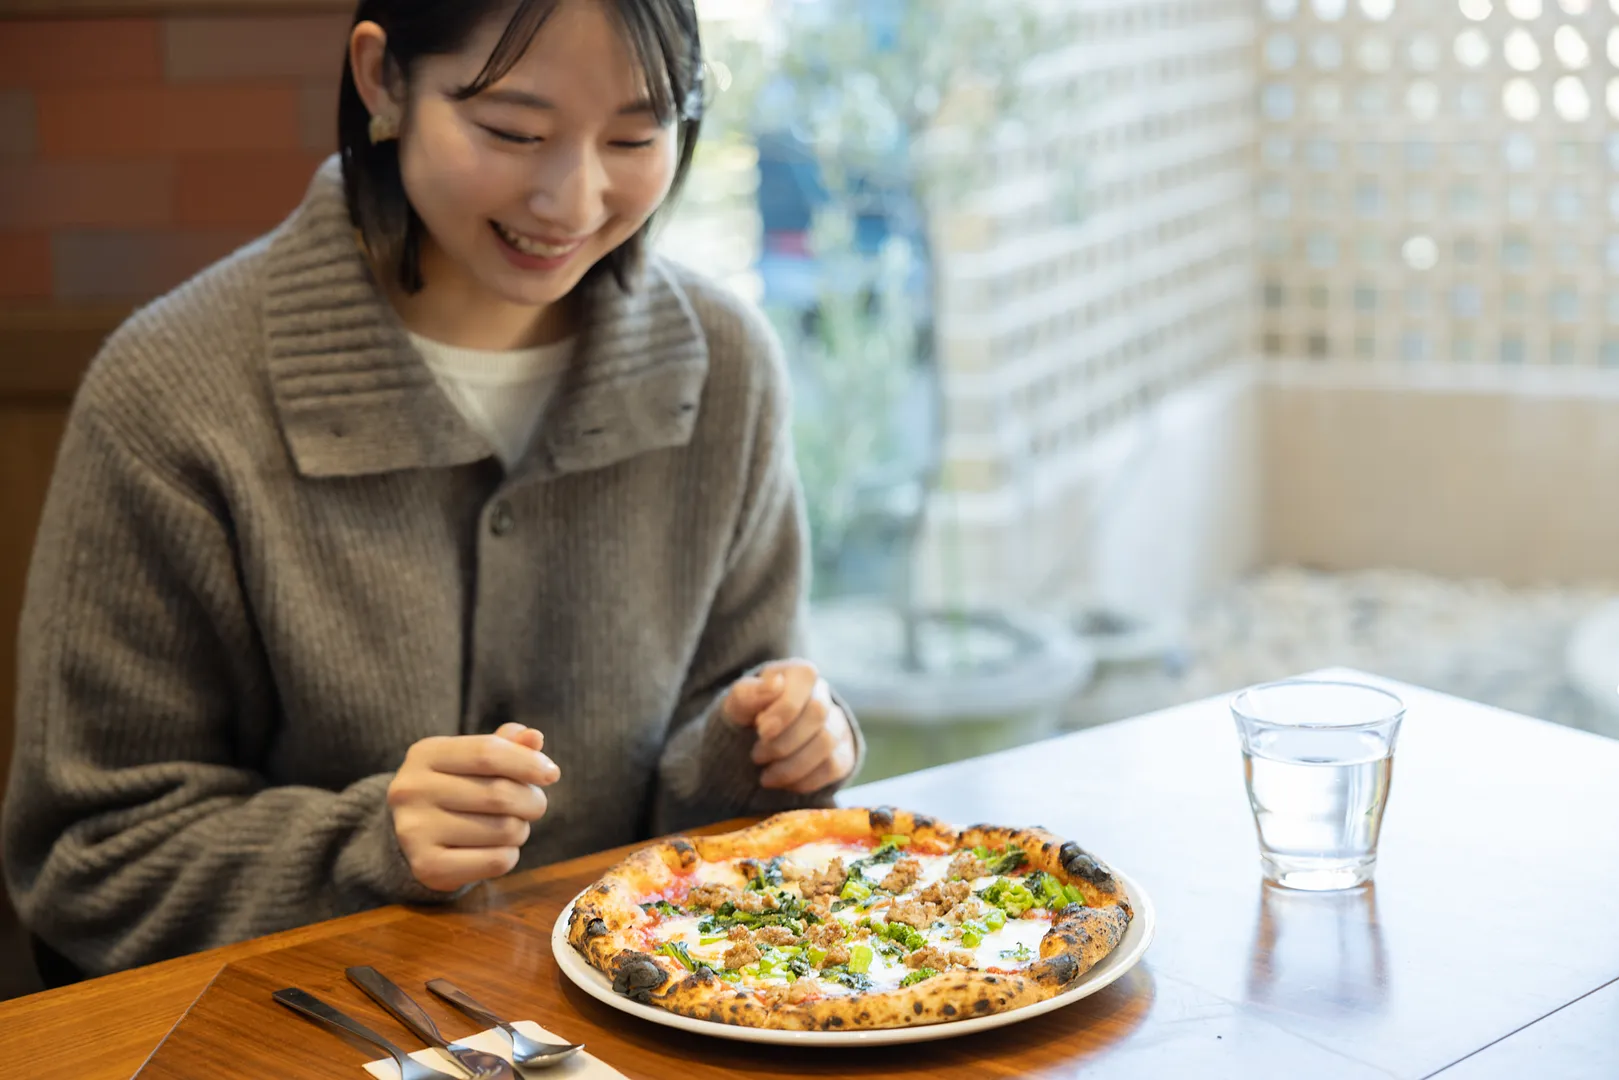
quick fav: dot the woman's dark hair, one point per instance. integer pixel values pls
(662, 33)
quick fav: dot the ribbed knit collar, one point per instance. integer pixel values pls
(354, 396)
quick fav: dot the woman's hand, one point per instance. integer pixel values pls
(805, 741)
(462, 804)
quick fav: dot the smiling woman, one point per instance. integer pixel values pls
(441, 532)
(509, 157)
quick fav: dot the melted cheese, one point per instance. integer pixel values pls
(1025, 932)
(819, 855)
(719, 873)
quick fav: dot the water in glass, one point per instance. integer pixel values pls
(1318, 790)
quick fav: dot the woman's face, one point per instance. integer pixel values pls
(525, 186)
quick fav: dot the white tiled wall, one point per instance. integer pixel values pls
(1438, 238)
(1064, 330)
(1439, 181)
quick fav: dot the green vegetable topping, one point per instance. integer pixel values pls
(859, 959)
(854, 889)
(789, 912)
(677, 949)
(766, 874)
(905, 935)
(972, 934)
(854, 980)
(995, 920)
(917, 976)
(662, 907)
(784, 962)
(1020, 953)
(1050, 893)
(713, 924)
(1010, 897)
(1008, 862)
(885, 853)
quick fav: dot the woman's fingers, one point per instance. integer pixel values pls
(490, 795)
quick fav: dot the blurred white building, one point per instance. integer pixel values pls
(1341, 288)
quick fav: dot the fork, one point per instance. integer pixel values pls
(526, 1052)
(316, 1009)
(381, 989)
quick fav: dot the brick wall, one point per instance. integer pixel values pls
(135, 151)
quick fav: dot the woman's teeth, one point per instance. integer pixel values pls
(533, 247)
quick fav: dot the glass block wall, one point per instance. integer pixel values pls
(1438, 182)
(1106, 267)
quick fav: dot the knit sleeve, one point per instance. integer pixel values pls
(706, 772)
(135, 825)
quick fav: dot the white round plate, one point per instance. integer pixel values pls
(1124, 957)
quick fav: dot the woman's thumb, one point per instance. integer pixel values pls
(749, 696)
(522, 735)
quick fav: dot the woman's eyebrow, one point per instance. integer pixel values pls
(510, 96)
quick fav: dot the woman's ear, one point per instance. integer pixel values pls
(368, 60)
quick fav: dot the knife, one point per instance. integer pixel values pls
(481, 1065)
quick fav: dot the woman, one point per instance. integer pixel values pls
(439, 532)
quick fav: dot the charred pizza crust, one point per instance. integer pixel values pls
(605, 923)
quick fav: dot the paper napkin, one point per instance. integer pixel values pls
(582, 1066)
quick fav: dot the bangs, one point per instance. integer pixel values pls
(667, 51)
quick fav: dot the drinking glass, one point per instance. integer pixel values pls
(1317, 756)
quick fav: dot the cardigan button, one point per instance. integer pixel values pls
(501, 519)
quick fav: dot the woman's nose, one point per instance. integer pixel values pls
(569, 193)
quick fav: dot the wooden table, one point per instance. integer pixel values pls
(1488, 947)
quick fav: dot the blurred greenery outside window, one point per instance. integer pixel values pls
(838, 133)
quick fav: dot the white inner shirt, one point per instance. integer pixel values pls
(502, 394)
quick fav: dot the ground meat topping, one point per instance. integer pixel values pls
(913, 913)
(970, 909)
(753, 902)
(967, 866)
(828, 882)
(774, 935)
(938, 959)
(805, 989)
(946, 893)
(837, 954)
(902, 877)
(825, 935)
(711, 896)
(741, 955)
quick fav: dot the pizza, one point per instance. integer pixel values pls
(848, 919)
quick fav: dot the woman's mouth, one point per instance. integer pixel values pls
(529, 253)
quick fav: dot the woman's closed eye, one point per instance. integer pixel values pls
(512, 136)
(530, 140)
